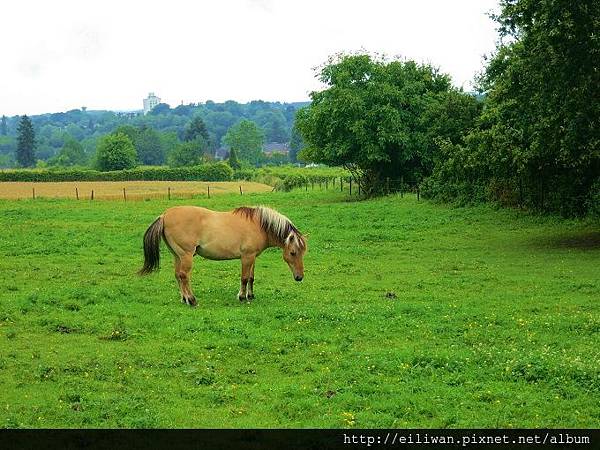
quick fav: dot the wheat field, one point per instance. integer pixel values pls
(134, 190)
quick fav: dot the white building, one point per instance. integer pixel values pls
(150, 102)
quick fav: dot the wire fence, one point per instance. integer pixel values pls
(340, 184)
(353, 188)
(129, 194)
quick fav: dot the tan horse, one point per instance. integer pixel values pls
(239, 234)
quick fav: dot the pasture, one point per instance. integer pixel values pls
(411, 314)
(134, 190)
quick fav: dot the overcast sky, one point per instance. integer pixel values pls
(60, 55)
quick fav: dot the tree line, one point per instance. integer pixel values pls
(530, 137)
(72, 137)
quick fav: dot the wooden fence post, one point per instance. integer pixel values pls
(241, 193)
(341, 184)
(92, 195)
(124, 195)
(169, 193)
(76, 193)
(402, 186)
(33, 193)
(208, 190)
(350, 186)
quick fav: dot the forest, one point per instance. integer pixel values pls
(161, 129)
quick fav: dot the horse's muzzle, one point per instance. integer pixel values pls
(298, 278)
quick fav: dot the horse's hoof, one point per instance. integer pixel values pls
(250, 297)
(241, 299)
(192, 301)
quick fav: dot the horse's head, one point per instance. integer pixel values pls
(293, 254)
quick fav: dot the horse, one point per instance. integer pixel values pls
(243, 233)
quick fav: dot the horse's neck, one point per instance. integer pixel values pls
(271, 242)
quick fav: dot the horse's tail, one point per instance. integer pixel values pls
(152, 238)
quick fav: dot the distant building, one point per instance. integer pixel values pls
(150, 102)
(276, 147)
(222, 153)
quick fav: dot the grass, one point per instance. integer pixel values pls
(410, 315)
(134, 190)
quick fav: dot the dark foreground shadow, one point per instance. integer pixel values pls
(581, 240)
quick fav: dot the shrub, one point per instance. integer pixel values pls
(292, 181)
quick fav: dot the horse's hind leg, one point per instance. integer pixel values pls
(177, 269)
(183, 273)
(247, 265)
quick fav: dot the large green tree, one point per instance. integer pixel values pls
(247, 138)
(115, 152)
(25, 154)
(538, 143)
(377, 118)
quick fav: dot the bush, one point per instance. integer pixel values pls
(298, 176)
(593, 201)
(292, 181)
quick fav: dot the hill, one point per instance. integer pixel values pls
(86, 126)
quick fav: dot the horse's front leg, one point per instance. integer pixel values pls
(247, 264)
(250, 293)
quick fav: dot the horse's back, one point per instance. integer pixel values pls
(194, 227)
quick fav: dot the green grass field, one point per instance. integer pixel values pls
(410, 315)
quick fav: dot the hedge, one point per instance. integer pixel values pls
(286, 178)
(205, 172)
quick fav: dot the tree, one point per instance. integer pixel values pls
(296, 144)
(3, 126)
(189, 153)
(149, 147)
(71, 154)
(248, 139)
(233, 161)
(273, 124)
(196, 128)
(25, 154)
(128, 130)
(538, 139)
(115, 152)
(370, 119)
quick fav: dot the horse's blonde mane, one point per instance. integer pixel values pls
(275, 224)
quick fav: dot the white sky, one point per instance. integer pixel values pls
(63, 54)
